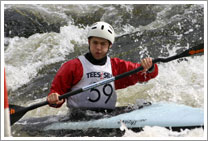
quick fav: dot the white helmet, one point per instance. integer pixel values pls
(102, 30)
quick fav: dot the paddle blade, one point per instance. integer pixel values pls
(194, 50)
(16, 112)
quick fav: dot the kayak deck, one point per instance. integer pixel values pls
(172, 116)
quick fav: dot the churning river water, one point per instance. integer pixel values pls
(141, 30)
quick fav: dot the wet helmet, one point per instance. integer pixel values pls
(102, 30)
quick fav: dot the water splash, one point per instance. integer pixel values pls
(24, 57)
(176, 82)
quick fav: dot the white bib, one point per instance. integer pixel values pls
(100, 97)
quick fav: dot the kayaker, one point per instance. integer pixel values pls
(94, 66)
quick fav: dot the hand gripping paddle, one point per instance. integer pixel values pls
(16, 112)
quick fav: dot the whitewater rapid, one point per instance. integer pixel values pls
(181, 82)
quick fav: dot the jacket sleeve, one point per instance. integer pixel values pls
(67, 76)
(120, 66)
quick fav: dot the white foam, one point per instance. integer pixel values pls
(162, 132)
(24, 57)
(176, 82)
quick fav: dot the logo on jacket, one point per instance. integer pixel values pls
(100, 75)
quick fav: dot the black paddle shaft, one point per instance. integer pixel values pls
(194, 50)
(20, 111)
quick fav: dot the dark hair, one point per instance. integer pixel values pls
(106, 39)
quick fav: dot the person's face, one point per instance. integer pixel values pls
(98, 47)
